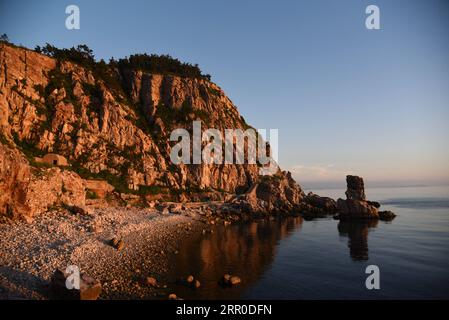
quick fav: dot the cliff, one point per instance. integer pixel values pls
(112, 125)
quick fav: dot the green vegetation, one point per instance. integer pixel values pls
(161, 64)
(214, 91)
(181, 115)
(27, 148)
(91, 195)
(150, 190)
(96, 96)
(4, 38)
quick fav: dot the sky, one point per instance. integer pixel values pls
(346, 100)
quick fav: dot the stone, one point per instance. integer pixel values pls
(99, 187)
(278, 193)
(118, 244)
(356, 209)
(356, 206)
(230, 280)
(90, 289)
(151, 282)
(234, 280)
(325, 204)
(78, 210)
(386, 215)
(355, 188)
(172, 296)
(196, 284)
(114, 242)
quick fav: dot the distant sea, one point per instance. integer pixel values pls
(326, 259)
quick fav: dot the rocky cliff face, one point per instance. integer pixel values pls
(117, 131)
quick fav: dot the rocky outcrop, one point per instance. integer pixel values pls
(99, 188)
(272, 194)
(15, 177)
(355, 188)
(356, 206)
(25, 192)
(117, 132)
(324, 204)
(114, 126)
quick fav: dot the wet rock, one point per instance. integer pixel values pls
(386, 215)
(89, 288)
(234, 280)
(196, 284)
(356, 209)
(230, 280)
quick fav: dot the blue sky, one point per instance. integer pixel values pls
(345, 99)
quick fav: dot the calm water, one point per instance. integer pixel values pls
(326, 259)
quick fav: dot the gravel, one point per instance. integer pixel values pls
(31, 252)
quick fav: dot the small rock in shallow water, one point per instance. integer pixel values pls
(196, 284)
(235, 280)
(230, 280)
(386, 215)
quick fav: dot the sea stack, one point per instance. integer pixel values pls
(356, 206)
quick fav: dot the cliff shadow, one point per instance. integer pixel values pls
(243, 249)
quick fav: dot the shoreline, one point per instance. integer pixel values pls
(31, 253)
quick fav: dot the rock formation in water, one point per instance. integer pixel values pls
(356, 206)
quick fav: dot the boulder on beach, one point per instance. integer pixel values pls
(89, 288)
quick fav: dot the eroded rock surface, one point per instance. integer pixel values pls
(356, 206)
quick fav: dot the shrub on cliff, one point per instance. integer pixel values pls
(162, 64)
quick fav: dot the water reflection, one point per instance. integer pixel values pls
(357, 232)
(246, 250)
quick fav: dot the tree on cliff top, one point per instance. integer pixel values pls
(4, 38)
(163, 64)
